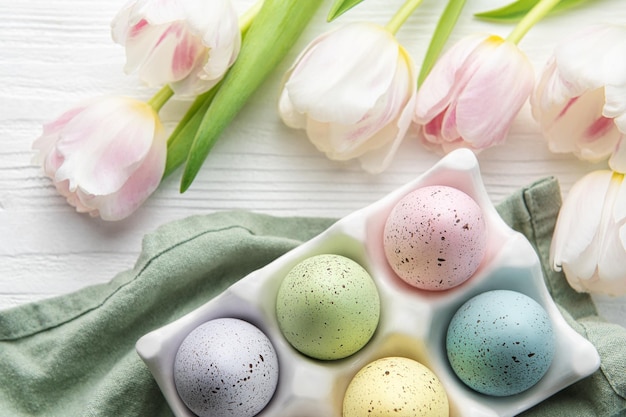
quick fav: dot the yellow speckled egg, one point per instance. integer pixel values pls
(398, 387)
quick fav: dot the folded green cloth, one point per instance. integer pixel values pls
(75, 355)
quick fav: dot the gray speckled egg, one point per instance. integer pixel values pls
(226, 368)
(328, 307)
(435, 238)
(500, 342)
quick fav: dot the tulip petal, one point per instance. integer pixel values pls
(48, 156)
(140, 185)
(611, 272)
(444, 80)
(576, 234)
(604, 49)
(432, 130)
(551, 91)
(617, 162)
(82, 202)
(141, 45)
(289, 115)
(101, 160)
(494, 96)
(378, 160)
(367, 134)
(581, 128)
(616, 105)
(330, 88)
(173, 57)
(619, 203)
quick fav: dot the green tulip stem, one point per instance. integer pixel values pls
(160, 98)
(535, 14)
(402, 15)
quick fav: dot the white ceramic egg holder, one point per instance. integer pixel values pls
(413, 323)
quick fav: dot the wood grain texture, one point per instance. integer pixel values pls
(56, 54)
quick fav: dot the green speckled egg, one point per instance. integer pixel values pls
(328, 307)
(395, 386)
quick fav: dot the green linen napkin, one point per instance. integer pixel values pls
(75, 355)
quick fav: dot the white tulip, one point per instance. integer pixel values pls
(105, 157)
(473, 94)
(580, 100)
(188, 44)
(353, 91)
(589, 242)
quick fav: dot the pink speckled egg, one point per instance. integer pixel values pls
(435, 238)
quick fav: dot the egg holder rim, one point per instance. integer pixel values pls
(575, 357)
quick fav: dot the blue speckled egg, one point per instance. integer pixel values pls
(226, 368)
(500, 342)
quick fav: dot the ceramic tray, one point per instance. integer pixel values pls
(413, 323)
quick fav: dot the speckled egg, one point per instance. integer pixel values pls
(226, 368)
(328, 307)
(395, 386)
(500, 342)
(435, 238)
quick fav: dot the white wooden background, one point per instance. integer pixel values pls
(54, 54)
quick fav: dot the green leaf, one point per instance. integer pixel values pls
(518, 9)
(271, 35)
(339, 7)
(446, 23)
(179, 142)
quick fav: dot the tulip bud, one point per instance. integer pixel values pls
(188, 44)
(353, 91)
(580, 100)
(106, 157)
(473, 94)
(589, 242)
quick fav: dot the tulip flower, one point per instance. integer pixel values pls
(105, 157)
(473, 94)
(475, 91)
(589, 242)
(580, 100)
(188, 44)
(353, 91)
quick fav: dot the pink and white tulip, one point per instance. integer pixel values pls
(589, 242)
(188, 44)
(106, 157)
(473, 94)
(353, 91)
(580, 100)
